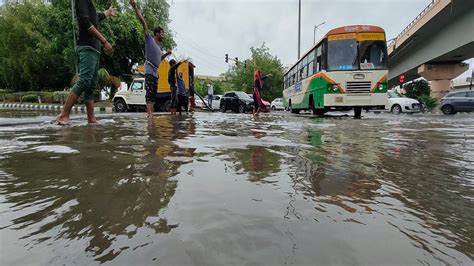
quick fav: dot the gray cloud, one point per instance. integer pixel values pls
(205, 30)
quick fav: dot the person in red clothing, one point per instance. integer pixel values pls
(257, 90)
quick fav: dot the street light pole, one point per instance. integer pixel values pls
(314, 30)
(299, 28)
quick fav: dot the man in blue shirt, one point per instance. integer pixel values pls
(153, 57)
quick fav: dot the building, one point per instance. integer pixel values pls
(461, 84)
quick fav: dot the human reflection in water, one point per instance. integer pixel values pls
(360, 176)
(256, 160)
(101, 193)
(326, 167)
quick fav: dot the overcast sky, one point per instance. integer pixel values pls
(205, 30)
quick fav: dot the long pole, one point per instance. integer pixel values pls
(299, 28)
(74, 32)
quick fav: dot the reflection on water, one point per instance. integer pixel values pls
(213, 189)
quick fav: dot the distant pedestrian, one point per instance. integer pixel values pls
(153, 57)
(182, 99)
(210, 93)
(88, 49)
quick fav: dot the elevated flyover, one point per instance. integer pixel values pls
(434, 45)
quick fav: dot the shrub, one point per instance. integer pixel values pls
(46, 96)
(429, 101)
(60, 96)
(30, 98)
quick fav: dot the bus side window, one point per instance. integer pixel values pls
(310, 68)
(324, 55)
(318, 58)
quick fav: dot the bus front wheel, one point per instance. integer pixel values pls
(357, 112)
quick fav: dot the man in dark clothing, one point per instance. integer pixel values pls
(172, 77)
(182, 101)
(88, 48)
(153, 58)
(192, 101)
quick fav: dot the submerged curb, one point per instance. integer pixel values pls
(50, 107)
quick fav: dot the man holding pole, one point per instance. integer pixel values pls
(88, 49)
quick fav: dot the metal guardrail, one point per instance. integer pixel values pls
(422, 13)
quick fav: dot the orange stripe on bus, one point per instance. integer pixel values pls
(384, 77)
(328, 79)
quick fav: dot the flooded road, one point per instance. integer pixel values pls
(215, 189)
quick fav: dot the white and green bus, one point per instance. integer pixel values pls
(347, 69)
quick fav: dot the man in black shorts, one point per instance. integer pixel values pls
(153, 57)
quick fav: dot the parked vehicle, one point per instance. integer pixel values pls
(133, 97)
(237, 101)
(216, 102)
(277, 104)
(457, 101)
(400, 104)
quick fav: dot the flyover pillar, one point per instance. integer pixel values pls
(440, 76)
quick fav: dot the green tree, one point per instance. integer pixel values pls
(37, 47)
(125, 33)
(241, 76)
(417, 88)
(220, 87)
(420, 90)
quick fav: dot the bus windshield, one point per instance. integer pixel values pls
(372, 55)
(342, 55)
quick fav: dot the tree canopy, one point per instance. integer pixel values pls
(241, 76)
(37, 45)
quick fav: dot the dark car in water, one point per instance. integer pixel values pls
(457, 101)
(237, 101)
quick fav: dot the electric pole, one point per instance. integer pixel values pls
(299, 28)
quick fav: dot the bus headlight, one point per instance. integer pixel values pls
(332, 87)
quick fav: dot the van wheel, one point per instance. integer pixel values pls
(120, 106)
(167, 106)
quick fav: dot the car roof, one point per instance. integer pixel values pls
(459, 91)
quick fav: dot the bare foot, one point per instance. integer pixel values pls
(63, 120)
(92, 121)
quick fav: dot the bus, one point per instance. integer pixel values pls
(133, 98)
(346, 70)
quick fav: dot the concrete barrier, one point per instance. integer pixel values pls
(50, 107)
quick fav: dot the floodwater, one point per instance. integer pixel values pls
(215, 189)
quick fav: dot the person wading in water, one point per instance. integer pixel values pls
(88, 49)
(153, 58)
